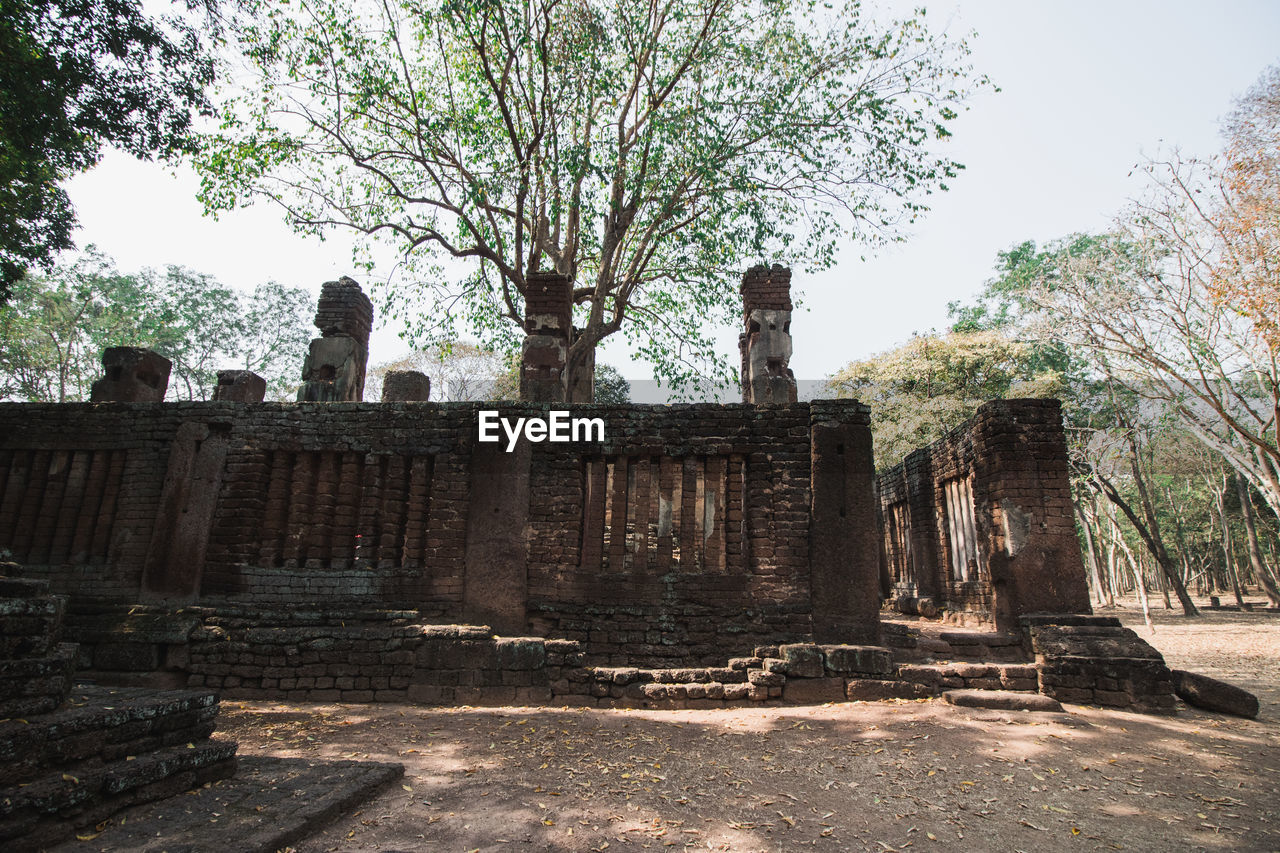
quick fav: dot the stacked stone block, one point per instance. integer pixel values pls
(240, 386)
(63, 766)
(1094, 660)
(765, 343)
(406, 386)
(35, 668)
(334, 369)
(132, 375)
(548, 326)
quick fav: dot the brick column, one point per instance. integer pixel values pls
(335, 366)
(1020, 474)
(544, 356)
(765, 343)
(844, 548)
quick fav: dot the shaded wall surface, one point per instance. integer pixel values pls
(981, 521)
(688, 532)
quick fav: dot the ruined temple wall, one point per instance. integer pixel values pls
(685, 534)
(351, 502)
(80, 485)
(713, 507)
(920, 558)
(1006, 469)
(315, 503)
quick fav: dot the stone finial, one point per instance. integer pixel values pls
(544, 356)
(406, 386)
(344, 310)
(334, 370)
(240, 386)
(765, 343)
(132, 375)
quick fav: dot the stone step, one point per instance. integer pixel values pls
(1001, 700)
(36, 685)
(101, 725)
(1019, 677)
(23, 587)
(51, 807)
(625, 675)
(30, 625)
(704, 690)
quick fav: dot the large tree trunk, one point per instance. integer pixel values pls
(1154, 542)
(1094, 572)
(1228, 555)
(1260, 569)
(1154, 545)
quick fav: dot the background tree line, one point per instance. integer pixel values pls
(54, 328)
(1161, 338)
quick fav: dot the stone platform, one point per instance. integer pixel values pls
(269, 804)
(72, 755)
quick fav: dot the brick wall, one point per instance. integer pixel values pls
(685, 535)
(999, 486)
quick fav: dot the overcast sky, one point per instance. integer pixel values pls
(1087, 88)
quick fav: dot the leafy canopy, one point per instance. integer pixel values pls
(650, 151)
(933, 383)
(76, 76)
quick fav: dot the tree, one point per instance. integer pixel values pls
(1247, 272)
(1140, 307)
(648, 151)
(611, 387)
(924, 388)
(54, 329)
(76, 76)
(274, 338)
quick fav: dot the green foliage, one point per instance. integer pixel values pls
(933, 383)
(610, 387)
(53, 330)
(650, 151)
(75, 76)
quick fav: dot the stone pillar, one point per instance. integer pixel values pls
(240, 386)
(335, 367)
(544, 356)
(1022, 487)
(495, 588)
(132, 375)
(844, 548)
(765, 343)
(406, 386)
(193, 479)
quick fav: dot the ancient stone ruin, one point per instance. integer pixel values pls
(240, 386)
(406, 386)
(334, 369)
(70, 764)
(980, 523)
(697, 555)
(548, 326)
(131, 375)
(765, 343)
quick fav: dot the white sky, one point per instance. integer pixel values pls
(1087, 89)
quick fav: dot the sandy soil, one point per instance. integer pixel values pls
(856, 776)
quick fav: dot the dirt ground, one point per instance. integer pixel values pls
(858, 776)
